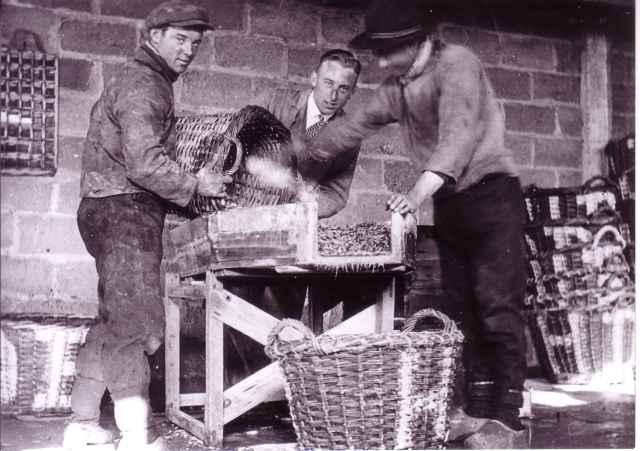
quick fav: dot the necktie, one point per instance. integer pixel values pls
(315, 128)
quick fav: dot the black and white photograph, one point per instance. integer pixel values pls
(282, 225)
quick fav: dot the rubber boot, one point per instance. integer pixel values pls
(77, 435)
(132, 415)
(462, 425)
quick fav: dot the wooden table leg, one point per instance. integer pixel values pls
(214, 385)
(385, 306)
(172, 349)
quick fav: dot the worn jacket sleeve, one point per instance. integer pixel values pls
(334, 192)
(143, 115)
(346, 133)
(461, 91)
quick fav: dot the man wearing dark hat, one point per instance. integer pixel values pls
(128, 175)
(453, 130)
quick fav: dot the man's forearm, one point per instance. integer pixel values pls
(426, 185)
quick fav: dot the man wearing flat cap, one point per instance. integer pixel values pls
(129, 175)
(453, 131)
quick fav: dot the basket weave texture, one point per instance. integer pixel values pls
(223, 142)
(38, 363)
(370, 391)
(581, 316)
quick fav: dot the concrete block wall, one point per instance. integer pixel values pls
(257, 45)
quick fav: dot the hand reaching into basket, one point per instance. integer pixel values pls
(212, 184)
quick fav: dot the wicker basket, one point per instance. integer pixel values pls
(580, 345)
(370, 391)
(38, 363)
(224, 142)
(560, 204)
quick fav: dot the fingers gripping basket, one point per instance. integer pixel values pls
(369, 391)
(225, 142)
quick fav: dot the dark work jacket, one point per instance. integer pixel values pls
(130, 145)
(290, 107)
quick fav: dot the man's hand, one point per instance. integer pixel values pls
(401, 203)
(212, 184)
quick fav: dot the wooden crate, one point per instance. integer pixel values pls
(273, 236)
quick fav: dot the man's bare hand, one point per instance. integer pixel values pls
(212, 184)
(401, 203)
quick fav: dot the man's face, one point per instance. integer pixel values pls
(397, 60)
(177, 46)
(333, 85)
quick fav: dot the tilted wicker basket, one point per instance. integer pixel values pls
(370, 391)
(38, 363)
(224, 142)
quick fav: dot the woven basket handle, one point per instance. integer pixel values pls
(448, 325)
(603, 231)
(220, 157)
(274, 340)
(596, 182)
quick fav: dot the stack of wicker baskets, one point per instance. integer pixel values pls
(369, 391)
(580, 303)
(38, 363)
(224, 142)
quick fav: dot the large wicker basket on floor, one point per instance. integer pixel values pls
(38, 363)
(370, 391)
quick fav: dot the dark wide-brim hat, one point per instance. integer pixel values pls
(177, 13)
(390, 24)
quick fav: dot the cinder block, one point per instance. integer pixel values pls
(75, 73)
(529, 118)
(77, 280)
(223, 14)
(250, 53)
(484, 44)
(368, 175)
(78, 5)
(570, 120)
(569, 177)
(564, 88)
(527, 52)
(622, 69)
(98, 38)
(41, 22)
(290, 20)
(622, 125)
(6, 229)
(25, 193)
(522, 147)
(339, 26)
(49, 235)
(541, 177)
(622, 99)
(75, 110)
(29, 276)
(400, 176)
(558, 152)
(304, 61)
(569, 58)
(216, 90)
(68, 197)
(510, 84)
(70, 150)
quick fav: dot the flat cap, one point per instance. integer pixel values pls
(177, 13)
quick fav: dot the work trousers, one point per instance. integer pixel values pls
(480, 238)
(124, 235)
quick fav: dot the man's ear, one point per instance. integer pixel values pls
(313, 78)
(155, 34)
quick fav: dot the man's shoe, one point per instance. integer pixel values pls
(496, 435)
(138, 442)
(462, 425)
(78, 434)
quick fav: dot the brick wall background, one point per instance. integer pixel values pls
(257, 45)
